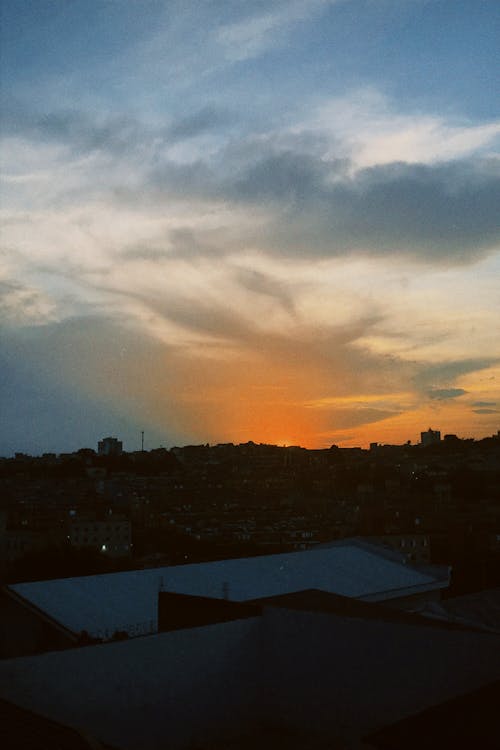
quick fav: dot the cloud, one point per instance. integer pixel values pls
(299, 193)
(76, 128)
(442, 394)
(486, 411)
(480, 404)
(221, 368)
(253, 379)
(342, 419)
(448, 371)
(256, 34)
(444, 213)
(24, 305)
(262, 284)
(373, 131)
(207, 118)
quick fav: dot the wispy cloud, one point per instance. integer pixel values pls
(24, 305)
(448, 371)
(373, 131)
(441, 394)
(259, 32)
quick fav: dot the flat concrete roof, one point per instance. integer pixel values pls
(127, 601)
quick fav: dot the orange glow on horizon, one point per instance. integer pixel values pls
(263, 398)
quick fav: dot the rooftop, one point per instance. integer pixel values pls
(127, 601)
(480, 609)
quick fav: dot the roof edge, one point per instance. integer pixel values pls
(27, 604)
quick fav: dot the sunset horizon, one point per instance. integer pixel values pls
(224, 222)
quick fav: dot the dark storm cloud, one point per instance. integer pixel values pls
(442, 394)
(441, 214)
(205, 120)
(299, 180)
(431, 376)
(75, 129)
(192, 181)
(445, 212)
(114, 134)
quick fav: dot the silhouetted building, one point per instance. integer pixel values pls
(110, 446)
(431, 437)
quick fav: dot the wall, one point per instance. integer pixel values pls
(346, 677)
(169, 690)
(23, 632)
(177, 611)
(417, 602)
(305, 672)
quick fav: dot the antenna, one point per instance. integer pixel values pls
(142, 441)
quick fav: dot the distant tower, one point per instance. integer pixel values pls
(110, 446)
(431, 437)
(142, 441)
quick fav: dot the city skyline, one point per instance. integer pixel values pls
(432, 437)
(225, 222)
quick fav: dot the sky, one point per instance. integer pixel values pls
(226, 221)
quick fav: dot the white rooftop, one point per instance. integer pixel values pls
(127, 601)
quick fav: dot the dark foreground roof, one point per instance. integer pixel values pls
(467, 721)
(480, 609)
(21, 729)
(177, 611)
(315, 600)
